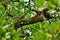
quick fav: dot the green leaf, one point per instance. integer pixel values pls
(2, 32)
(39, 3)
(55, 2)
(52, 4)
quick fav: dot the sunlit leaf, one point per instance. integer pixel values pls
(39, 3)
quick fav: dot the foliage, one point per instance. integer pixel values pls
(46, 30)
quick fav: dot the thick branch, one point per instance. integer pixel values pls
(35, 19)
(28, 21)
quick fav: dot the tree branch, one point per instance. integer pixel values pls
(28, 21)
(32, 20)
(35, 19)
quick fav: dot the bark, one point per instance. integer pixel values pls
(28, 21)
(35, 19)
